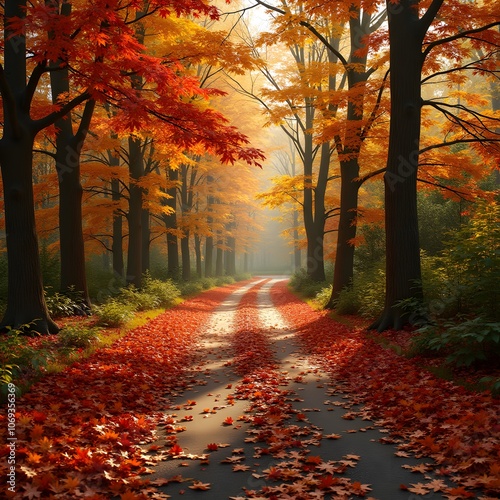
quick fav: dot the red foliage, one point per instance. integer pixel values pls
(88, 421)
(426, 415)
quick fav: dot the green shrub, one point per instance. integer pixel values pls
(224, 280)
(50, 266)
(63, 305)
(301, 283)
(166, 292)
(78, 336)
(465, 342)
(189, 288)
(140, 300)
(322, 297)
(348, 302)
(242, 276)
(18, 358)
(102, 282)
(365, 297)
(113, 313)
(207, 283)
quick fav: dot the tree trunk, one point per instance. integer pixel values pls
(231, 256)
(315, 266)
(72, 248)
(246, 267)
(209, 256)
(68, 150)
(219, 258)
(117, 238)
(134, 256)
(297, 254)
(170, 221)
(197, 251)
(25, 300)
(344, 258)
(349, 151)
(403, 273)
(146, 235)
(186, 189)
(186, 257)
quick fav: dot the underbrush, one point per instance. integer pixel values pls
(301, 283)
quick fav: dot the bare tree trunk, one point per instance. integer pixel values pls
(219, 257)
(197, 251)
(170, 221)
(403, 272)
(134, 256)
(146, 235)
(209, 256)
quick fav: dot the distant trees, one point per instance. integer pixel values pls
(461, 140)
(96, 46)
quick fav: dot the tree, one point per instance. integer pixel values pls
(99, 47)
(408, 27)
(25, 300)
(339, 117)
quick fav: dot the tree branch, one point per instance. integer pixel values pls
(56, 115)
(426, 20)
(313, 30)
(83, 129)
(36, 74)
(462, 34)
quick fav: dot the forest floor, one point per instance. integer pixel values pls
(245, 392)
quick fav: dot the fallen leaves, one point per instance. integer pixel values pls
(427, 416)
(82, 429)
(114, 402)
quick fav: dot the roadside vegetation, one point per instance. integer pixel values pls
(26, 357)
(456, 331)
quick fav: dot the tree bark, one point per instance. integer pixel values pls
(197, 251)
(117, 237)
(25, 300)
(170, 221)
(219, 257)
(146, 235)
(403, 272)
(186, 257)
(68, 150)
(315, 266)
(231, 256)
(349, 151)
(209, 256)
(134, 216)
(72, 247)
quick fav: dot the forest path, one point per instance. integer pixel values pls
(281, 428)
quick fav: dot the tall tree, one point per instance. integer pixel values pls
(25, 300)
(408, 27)
(98, 45)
